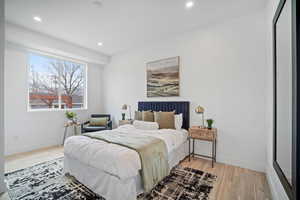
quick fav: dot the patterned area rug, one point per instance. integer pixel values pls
(46, 181)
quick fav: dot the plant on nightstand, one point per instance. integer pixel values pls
(71, 116)
(209, 123)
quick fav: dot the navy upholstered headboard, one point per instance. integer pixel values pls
(179, 107)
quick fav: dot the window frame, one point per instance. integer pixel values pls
(44, 54)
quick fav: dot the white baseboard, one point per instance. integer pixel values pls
(277, 190)
(230, 160)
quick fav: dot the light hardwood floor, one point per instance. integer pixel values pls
(233, 183)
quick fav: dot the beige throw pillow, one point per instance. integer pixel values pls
(148, 116)
(98, 121)
(138, 115)
(165, 120)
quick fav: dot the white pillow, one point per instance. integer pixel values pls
(145, 125)
(178, 121)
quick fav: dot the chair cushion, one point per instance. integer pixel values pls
(98, 121)
(94, 128)
(101, 115)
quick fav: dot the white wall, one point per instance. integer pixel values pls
(25, 130)
(37, 41)
(2, 186)
(223, 69)
(277, 189)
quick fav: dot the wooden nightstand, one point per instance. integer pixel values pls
(123, 122)
(210, 135)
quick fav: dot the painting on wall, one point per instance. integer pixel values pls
(163, 77)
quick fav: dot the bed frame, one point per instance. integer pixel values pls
(177, 106)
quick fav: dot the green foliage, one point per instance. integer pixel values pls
(209, 123)
(70, 115)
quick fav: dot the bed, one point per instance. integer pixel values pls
(113, 171)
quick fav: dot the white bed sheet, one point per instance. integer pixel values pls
(116, 159)
(109, 186)
(112, 171)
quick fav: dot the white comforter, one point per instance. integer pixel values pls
(114, 159)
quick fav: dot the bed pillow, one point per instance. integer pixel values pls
(148, 116)
(165, 120)
(138, 115)
(178, 121)
(98, 121)
(145, 125)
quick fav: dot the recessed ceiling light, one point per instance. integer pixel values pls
(37, 18)
(97, 3)
(99, 43)
(189, 4)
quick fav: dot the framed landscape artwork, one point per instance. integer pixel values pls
(163, 77)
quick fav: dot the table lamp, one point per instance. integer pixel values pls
(125, 107)
(200, 110)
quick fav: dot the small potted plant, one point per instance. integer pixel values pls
(71, 116)
(209, 123)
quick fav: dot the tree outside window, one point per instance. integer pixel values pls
(56, 83)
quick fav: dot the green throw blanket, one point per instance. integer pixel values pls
(152, 152)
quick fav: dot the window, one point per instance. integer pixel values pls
(56, 84)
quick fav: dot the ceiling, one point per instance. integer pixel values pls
(122, 24)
